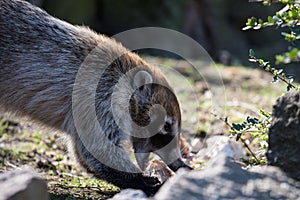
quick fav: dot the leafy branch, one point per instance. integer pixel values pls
(288, 16)
(257, 128)
(278, 75)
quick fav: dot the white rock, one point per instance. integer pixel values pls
(22, 185)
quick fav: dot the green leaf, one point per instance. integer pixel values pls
(251, 53)
(251, 22)
(289, 37)
(237, 127)
(271, 20)
(248, 119)
(256, 120)
(293, 53)
(279, 58)
(266, 3)
(261, 62)
(252, 120)
(264, 113)
(289, 76)
(293, 14)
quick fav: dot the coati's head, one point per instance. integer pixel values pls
(154, 106)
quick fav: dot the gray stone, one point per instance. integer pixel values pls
(284, 135)
(22, 185)
(224, 179)
(221, 144)
(130, 194)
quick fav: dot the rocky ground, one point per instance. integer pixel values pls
(234, 92)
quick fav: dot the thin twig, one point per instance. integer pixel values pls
(271, 71)
(246, 145)
(11, 165)
(242, 140)
(280, 77)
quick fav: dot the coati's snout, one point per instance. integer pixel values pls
(170, 152)
(165, 146)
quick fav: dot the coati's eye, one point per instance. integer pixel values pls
(168, 127)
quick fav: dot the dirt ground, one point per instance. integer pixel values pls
(232, 91)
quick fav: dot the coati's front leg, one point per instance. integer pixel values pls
(148, 184)
(122, 179)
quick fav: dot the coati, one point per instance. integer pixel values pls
(40, 59)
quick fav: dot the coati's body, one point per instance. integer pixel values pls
(40, 57)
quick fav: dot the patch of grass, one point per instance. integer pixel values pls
(49, 158)
(3, 127)
(81, 187)
(13, 154)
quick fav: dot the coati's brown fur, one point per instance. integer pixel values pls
(40, 57)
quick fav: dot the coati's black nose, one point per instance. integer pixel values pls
(178, 164)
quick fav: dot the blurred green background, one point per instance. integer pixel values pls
(215, 24)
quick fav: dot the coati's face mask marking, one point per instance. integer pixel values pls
(164, 143)
(163, 124)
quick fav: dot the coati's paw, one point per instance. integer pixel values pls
(151, 190)
(150, 185)
(151, 180)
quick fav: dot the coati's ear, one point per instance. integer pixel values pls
(142, 78)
